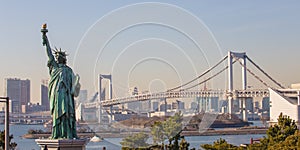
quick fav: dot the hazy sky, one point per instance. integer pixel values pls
(153, 45)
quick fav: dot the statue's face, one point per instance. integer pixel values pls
(61, 59)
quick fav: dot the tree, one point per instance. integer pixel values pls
(284, 128)
(218, 145)
(283, 135)
(172, 126)
(137, 140)
(12, 145)
(167, 129)
(184, 145)
(170, 129)
(280, 134)
(157, 132)
(291, 142)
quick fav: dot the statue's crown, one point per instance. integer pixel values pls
(59, 52)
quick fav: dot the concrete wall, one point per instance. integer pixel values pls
(280, 104)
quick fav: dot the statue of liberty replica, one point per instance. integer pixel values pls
(63, 87)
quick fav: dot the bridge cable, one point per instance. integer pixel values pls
(259, 79)
(278, 84)
(208, 78)
(204, 73)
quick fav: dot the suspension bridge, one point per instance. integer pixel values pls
(185, 90)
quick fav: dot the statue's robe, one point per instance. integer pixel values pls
(62, 101)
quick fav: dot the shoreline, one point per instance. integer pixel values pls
(237, 131)
(231, 131)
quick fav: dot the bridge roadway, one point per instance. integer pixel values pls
(181, 94)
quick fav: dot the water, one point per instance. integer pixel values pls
(114, 143)
(196, 141)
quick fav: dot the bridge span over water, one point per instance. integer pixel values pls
(182, 94)
(187, 90)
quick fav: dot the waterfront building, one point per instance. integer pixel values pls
(89, 114)
(178, 105)
(266, 104)
(214, 104)
(155, 106)
(133, 91)
(140, 106)
(208, 104)
(236, 108)
(146, 106)
(83, 94)
(194, 106)
(222, 106)
(256, 107)
(25, 92)
(249, 105)
(165, 107)
(31, 108)
(135, 106)
(161, 113)
(19, 92)
(118, 116)
(285, 101)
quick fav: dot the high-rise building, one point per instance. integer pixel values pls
(165, 107)
(82, 96)
(249, 104)
(44, 95)
(25, 92)
(208, 104)
(214, 104)
(19, 93)
(178, 105)
(135, 106)
(266, 104)
(155, 106)
(222, 106)
(133, 91)
(256, 106)
(146, 106)
(236, 105)
(194, 106)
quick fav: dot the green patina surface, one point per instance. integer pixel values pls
(63, 86)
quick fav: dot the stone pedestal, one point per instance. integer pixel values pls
(62, 144)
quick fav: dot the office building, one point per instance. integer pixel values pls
(19, 93)
(179, 105)
(155, 106)
(83, 94)
(194, 106)
(249, 105)
(208, 104)
(44, 95)
(266, 104)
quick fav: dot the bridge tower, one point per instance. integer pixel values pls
(242, 56)
(102, 95)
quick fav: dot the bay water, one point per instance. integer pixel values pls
(114, 143)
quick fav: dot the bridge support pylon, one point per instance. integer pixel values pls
(242, 56)
(102, 96)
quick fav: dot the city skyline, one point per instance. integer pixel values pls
(267, 31)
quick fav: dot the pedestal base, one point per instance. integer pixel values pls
(62, 144)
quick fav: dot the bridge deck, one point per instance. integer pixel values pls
(181, 94)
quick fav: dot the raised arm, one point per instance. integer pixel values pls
(48, 48)
(46, 43)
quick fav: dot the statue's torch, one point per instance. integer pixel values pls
(44, 30)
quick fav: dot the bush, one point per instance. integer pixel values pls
(12, 145)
